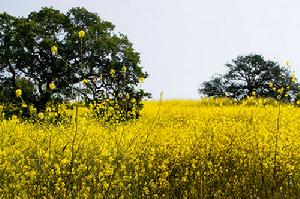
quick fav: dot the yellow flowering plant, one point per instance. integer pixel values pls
(81, 33)
(54, 50)
(141, 80)
(52, 86)
(112, 73)
(293, 77)
(177, 149)
(85, 81)
(19, 93)
(124, 69)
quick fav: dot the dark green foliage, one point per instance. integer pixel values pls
(25, 54)
(252, 75)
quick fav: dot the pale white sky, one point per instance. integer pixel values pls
(184, 42)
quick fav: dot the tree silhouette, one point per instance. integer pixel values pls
(252, 75)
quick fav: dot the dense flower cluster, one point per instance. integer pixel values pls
(214, 148)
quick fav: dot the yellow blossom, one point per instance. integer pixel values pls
(280, 91)
(19, 93)
(105, 185)
(54, 50)
(112, 73)
(81, 34)
(133, 100)
(85, 81)
(32, 109)
(293, 77)
(124, 69)
(41, 115)
(52, 86)
(141, 79)
(271, 84)
(64, 161)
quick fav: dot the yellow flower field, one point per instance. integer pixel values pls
(177, 149)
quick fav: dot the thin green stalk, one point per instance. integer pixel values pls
(73, 151)
(276, 151)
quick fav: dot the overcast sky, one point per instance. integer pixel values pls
(184, 42)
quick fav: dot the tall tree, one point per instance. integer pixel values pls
(8, 49)
(252, 75)
(77, 52)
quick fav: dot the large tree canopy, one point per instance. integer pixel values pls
(95, 65)
(252, 75)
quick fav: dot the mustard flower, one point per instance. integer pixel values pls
(280, 91)
(32, 109)
(112, 72)
(271, 84)
(124, 69)
(41, 115)
(141, 79)
(54, 50)
(133, 100)
(18, 92)
(85, 81)
(81, 34)
(52, 86)
(293, 77)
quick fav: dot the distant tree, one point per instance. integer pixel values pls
(77, 52)
(252, 75)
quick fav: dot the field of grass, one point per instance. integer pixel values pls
(177, 149)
